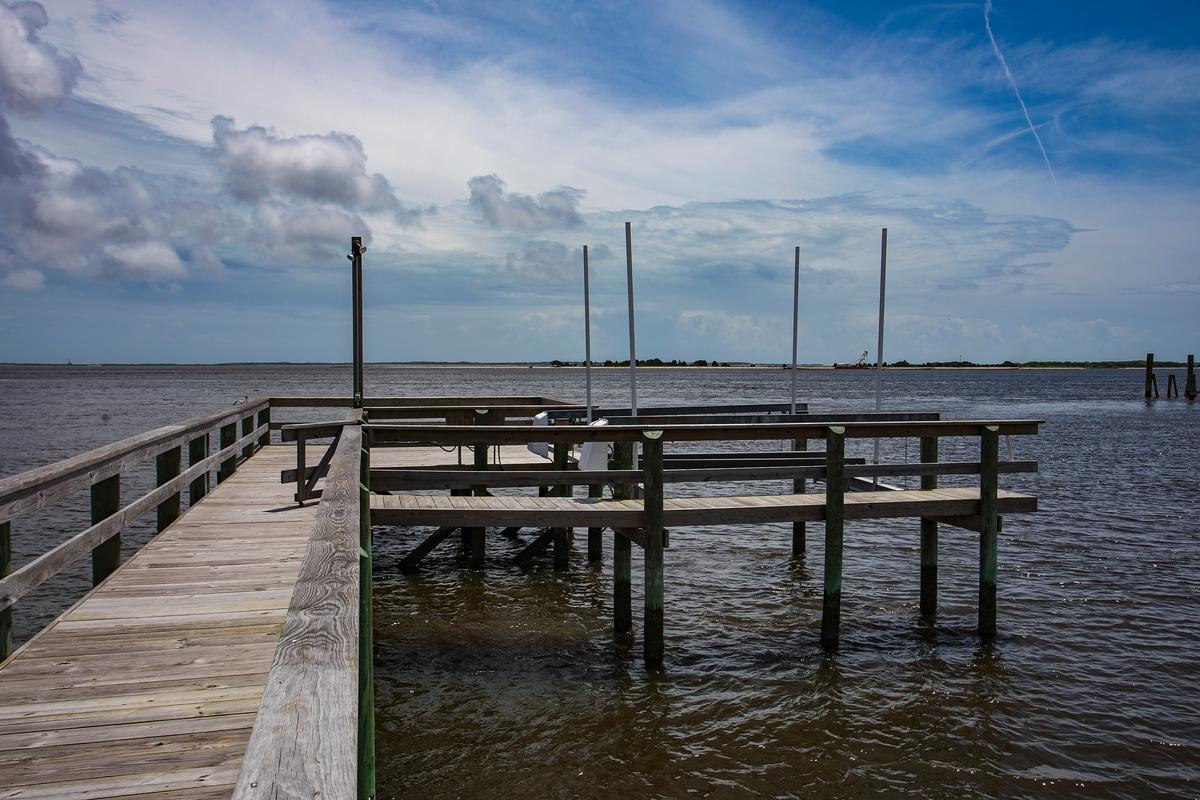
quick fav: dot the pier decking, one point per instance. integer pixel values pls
(232, 655)
(152, 683)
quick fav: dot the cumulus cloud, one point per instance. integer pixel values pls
(304, 234)
(33, 75)
(59, 214)
(258, 164)
(550, 265)
(557, 208)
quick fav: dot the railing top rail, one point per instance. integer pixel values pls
(304, 741)
(723, 408)
(511, 434)
(297, 401)
(118, 455)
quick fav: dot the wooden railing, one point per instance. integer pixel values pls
(101, 470)
(314, 734)
(835, 472)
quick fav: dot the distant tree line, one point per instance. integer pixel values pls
(644, 362)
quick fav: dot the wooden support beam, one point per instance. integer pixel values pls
(409, 562)
(929, 536)
(622, 552)
(6, 614)
(989, 454)
(106, 501)
(167, 465)
(531, 550)
(247, 429)
(264, 418)
(595, 543)
(562, 536)
(799, 529)
(652, 529)
(228, 437)
(835, 516)
(510, 533)
(197, 452)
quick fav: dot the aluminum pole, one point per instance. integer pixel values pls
(632, 339)
(879, 342)
(356, 254)
(795, 323)
(587, 335)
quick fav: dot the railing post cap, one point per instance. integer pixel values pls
(652, 434)
(838, 429)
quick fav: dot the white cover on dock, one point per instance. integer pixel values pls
(593, 456)
(540, 448)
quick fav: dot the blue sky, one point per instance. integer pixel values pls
(178, 182)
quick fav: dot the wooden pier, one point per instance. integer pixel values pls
(231, 656)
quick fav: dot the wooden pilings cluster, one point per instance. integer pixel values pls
(645, 523)
(1150, 391)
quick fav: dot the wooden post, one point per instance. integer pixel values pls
(1172, 385)
(622, 552)
(562, 536)
(366, 636)
(264, 418)
(475, 536)
(929, 535)
(247, 429)
(1149, 373)
(197, 452)
(167, 467)
(228, 438)
(989, 459)
(1189, 389)
(835, 517)
(106, 501)
(6, 635)
(595, 546)
(799, 529)
(652, 529)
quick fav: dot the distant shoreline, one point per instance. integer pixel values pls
(1072, 366)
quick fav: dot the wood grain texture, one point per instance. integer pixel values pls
(151, 684)
(305, 740)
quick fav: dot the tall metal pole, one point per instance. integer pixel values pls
(587, 335)
(879, 343)
(632, 339)
(356, 261)
(795, 323)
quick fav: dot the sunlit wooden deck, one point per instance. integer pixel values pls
(151, 684)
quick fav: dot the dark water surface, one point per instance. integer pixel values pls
(507, 684)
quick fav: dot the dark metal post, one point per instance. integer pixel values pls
(356, 254)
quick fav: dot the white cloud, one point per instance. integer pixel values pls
(556, 208)
(33, 75)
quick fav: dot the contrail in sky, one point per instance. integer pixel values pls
(987, 9)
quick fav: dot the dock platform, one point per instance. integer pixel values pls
(151, 684)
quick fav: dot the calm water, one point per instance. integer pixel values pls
(504, 684)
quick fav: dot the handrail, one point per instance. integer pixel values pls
(573, 434)
(33, 489)
(305, 739)
(22, 581)
(384, 402)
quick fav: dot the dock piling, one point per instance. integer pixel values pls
(197, 452)
(6, 638)
(562, 536)
(652, 530)
(929, 535)
(1189, 389)
(167, 465)
(106, 501)
(799, 528)
(622, 551)
(475, 536)
(228, 437)
(1151, 383)
(989, 458)
(595, 542)
(835, 517)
